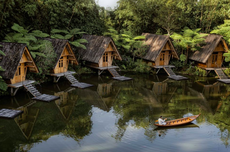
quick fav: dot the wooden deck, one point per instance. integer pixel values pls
(9, 113)
(164, 66)
(62, 74)
(46, 98)
(105, 68)
(81, 85)
(21, 84)
(210, 69)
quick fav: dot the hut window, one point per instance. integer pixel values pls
(214, 58)
(105, 57)
(18, 72)
(162, 57)
(60, 63)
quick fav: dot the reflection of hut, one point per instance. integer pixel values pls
(202, 101)
(100, 54)
(66, 103)
(93, 98)
(210, 57)
(108, 93)
(159, 53)
(27, 120)
(16, 62)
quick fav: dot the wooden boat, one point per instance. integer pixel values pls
(177, 122)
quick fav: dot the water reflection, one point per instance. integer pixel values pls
(116, 113)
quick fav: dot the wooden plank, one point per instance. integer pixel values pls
(81, 85)
(178, 77)
(46, 98)
(122, 78)
(169, 71)
(221, 74)
(114, 72)
(10, 113)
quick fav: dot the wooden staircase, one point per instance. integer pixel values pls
(221, 74)
(169, 71)
(114, 72)
(32, 90)
(71, 78)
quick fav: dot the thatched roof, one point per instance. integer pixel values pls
(58, 45)
(211, 42)
(96, 47)
(9, 62)
(156, 43)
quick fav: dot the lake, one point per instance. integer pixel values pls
(117, 116)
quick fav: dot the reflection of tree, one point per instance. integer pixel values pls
(80, 123)
(131, 108)
(221, 120)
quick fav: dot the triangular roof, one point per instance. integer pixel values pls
(59, 46)
(211, 42)
(11, 60)
(96, 47)
(156, 43)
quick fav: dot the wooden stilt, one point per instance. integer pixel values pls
(158, 71)
(56, 79)
(13, 93)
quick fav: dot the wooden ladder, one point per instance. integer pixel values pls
(221, 74)
(32, 90)
(169, 71)
(71, 78)
(114, 72)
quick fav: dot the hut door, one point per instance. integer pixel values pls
(105, 59)
(162, 58)
(61, 67)
(20, 74)
(214, 60)
(65, 64)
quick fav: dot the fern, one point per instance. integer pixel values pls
(77, 44)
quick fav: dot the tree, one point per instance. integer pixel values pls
(189, 40)
(130, 47)
(3, 85)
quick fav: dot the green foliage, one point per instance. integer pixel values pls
(141, 67)
(227, 56)
(183, 57)
(129, 47)
(200, 72)
(69, 34)
(3, 85)
(227, 72)
(224, 30)
(189, 40)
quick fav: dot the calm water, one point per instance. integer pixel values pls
(117, 116)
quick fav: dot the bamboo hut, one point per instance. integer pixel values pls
(210, 57)
(64, 57)
(100, 54)
(16, 62)
(160, 51)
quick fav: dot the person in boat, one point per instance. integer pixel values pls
(161, 121)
